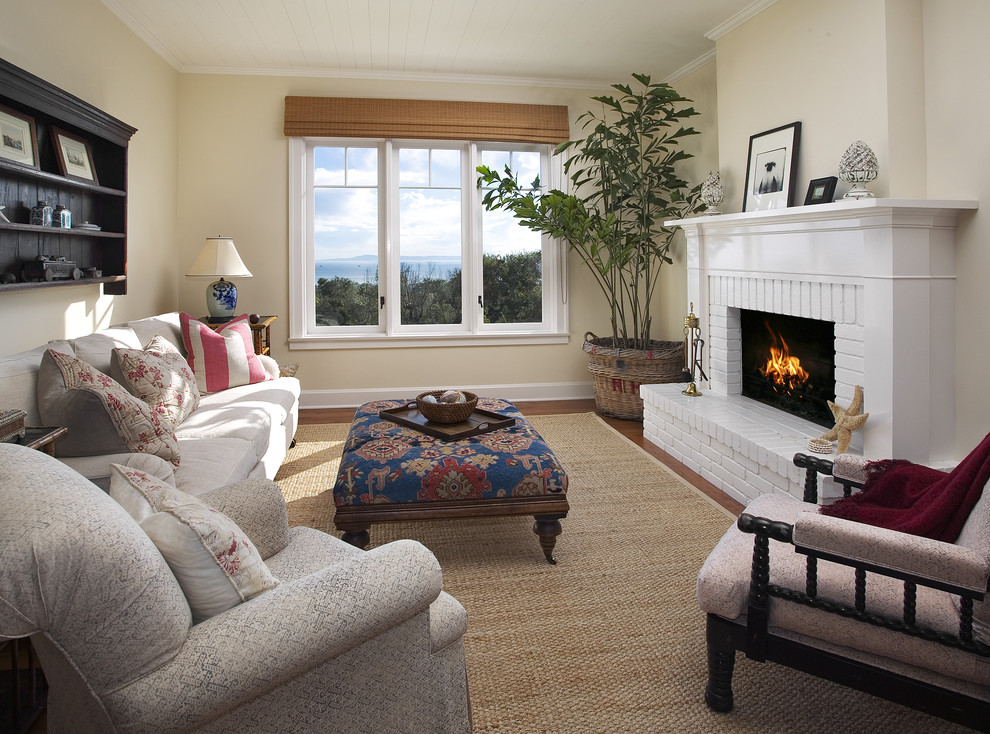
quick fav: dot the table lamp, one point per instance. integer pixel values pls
(219, 259)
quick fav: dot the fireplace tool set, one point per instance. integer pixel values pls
(694, 347)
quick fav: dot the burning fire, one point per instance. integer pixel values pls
(782, 368)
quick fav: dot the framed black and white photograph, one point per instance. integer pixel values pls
(821, 190)
(771, 168)
(75, 159)
(18, 138)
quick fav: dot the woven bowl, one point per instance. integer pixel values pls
(447, 412)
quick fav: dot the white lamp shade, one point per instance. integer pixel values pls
(219, 259)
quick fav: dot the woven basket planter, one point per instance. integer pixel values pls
(618, 372)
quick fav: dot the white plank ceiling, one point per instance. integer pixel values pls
(565, 42)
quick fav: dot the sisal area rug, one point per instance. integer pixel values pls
(611, 638)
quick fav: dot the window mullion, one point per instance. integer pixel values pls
(561, 250)
(389, 261)
(471, 260)
(309, 297)
(554, 251)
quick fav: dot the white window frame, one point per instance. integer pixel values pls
(305, 334)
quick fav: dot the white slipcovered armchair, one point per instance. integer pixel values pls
(350, 641)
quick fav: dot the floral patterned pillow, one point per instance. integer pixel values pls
(160, 376)
(102, 417)
(214, 562)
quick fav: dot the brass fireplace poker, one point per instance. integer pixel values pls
(694, 347)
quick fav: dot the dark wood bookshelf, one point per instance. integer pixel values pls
(102, 202)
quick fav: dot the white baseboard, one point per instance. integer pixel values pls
(513, 393)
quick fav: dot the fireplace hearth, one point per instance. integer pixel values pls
(788, 362)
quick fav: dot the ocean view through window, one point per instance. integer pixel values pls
(364, 269)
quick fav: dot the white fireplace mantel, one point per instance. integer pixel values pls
(839, 240)
(882, 269)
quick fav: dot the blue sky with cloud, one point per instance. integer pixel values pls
(346, 219)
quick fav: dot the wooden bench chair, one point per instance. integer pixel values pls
(899, 616)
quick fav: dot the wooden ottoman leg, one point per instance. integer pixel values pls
(548, 528)
(357, 536)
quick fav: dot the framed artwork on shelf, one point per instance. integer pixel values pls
(821, 190)
(18, 138)
(75, 159)
(771, 168)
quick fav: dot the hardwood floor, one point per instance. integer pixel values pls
(632, 430)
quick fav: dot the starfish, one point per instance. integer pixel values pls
(846, 421)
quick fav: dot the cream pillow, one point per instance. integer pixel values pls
(214, 562)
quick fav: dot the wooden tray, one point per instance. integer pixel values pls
(480, 421)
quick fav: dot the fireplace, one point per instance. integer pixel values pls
(788, 362)
(879, 274)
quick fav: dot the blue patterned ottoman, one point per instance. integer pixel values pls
(391, 473)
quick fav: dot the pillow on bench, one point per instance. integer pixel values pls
(160, 376)
(213, 560)
(102, 417)
(223, 358)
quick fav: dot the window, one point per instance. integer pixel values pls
(390, 246)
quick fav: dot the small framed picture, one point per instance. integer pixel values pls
(771, 168)
(821, 190)
(75, 159)
(18, 138)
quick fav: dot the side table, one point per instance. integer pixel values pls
(42, 438)
(260, 332)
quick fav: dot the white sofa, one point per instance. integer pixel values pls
(240, 433)
(350, 641)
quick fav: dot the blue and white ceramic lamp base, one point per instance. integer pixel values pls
(221, 299)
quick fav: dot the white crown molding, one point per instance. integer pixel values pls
(405, 76)
(513, 393)
(739, 18)
(130, 20)
(703, 60)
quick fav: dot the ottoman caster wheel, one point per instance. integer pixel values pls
(547, 527)
(359, 538)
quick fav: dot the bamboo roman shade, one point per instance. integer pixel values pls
(352, 117)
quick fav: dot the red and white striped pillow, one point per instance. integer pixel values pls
(223, 358)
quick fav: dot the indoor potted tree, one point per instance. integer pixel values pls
(624, 186)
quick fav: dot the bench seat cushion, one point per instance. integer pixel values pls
(723, 590)
(211, 463)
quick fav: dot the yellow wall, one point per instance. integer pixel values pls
(84, 49)
(906, 76)
(671, 305)
(209, 158)
(957, 107)
(818, 63)
(233, 165)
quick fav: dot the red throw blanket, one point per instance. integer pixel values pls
(916, 499)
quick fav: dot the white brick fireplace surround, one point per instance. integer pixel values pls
(883, 270)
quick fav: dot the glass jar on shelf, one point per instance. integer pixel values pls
(41, 214)
(62, 217)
